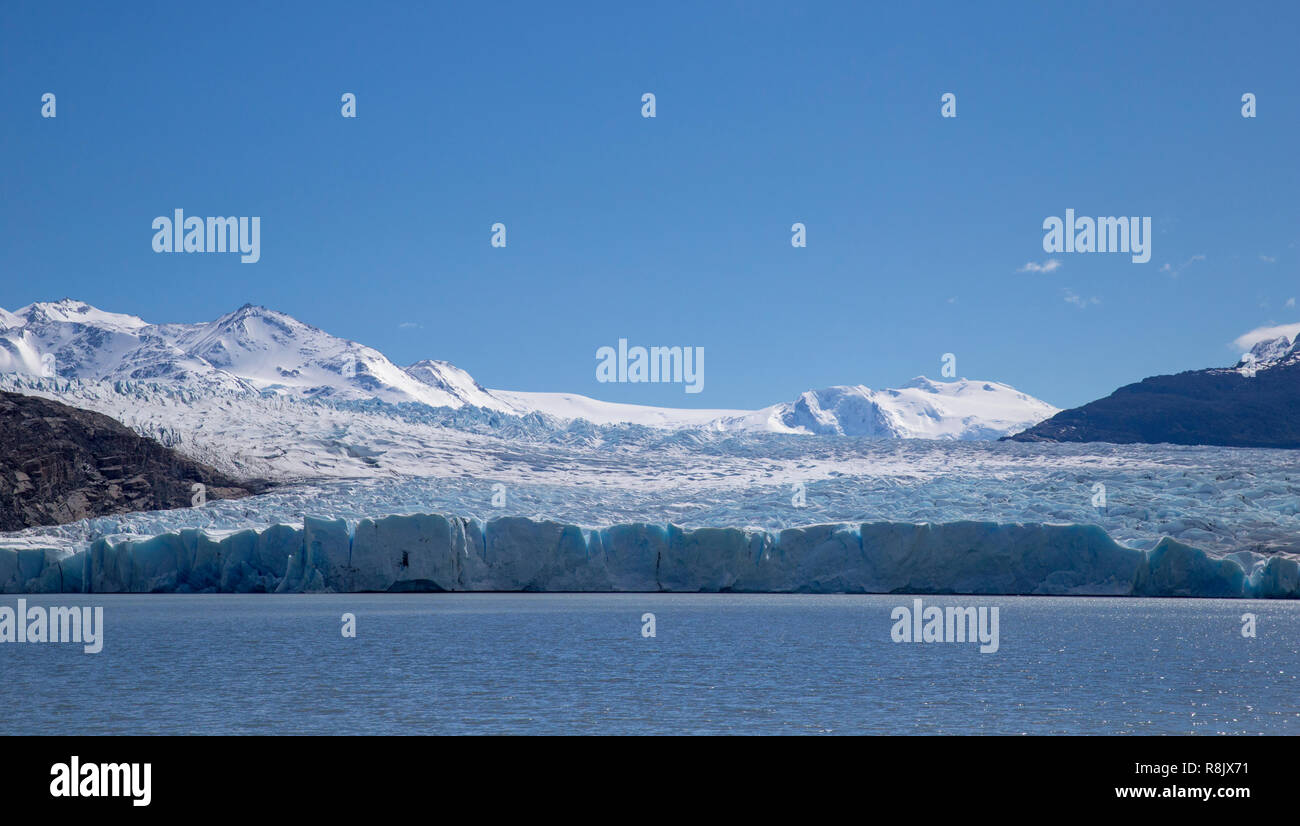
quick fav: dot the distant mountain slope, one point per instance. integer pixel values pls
(574, 406)
(255, 351)
(252, 349)
(1224, 407)
(59, 464)
(921, 409)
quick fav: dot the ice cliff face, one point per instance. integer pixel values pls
(446, 553)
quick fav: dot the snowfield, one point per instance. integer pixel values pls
(922, 409)
(571, 406)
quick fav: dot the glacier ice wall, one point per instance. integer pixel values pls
(432, 552)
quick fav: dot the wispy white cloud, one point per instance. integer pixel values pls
(408, 325)
(1071, 297)
(1050, 265)
(1174, 272)
(1268, 259)
(1290, 302)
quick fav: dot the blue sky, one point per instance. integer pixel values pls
(672, 230)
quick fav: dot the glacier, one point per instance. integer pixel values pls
(435, 552)
(373, 493)
(1177, 520)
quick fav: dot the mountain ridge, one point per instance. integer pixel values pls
(1252, 404)
(254, 349)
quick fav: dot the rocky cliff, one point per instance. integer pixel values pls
(59, 464)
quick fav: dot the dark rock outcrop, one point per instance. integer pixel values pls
(59, 464)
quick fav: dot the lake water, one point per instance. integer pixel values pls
(579, 664)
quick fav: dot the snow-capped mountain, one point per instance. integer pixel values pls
(450, 379)
(252, 349)
(1251, 404)
(71, 338)
(1276, 352)
(257, 351)
(921, 409)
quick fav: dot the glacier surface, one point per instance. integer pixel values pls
(582, 505)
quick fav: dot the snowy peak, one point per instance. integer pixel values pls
(257, 350)
(244, 338)
(1273, 353)
(921, 409)
(839, 410)
(73, 339)
(445, 377)
(275, 352)
(67, 311)
(252, 349)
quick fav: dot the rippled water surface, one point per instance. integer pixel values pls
(566, 664)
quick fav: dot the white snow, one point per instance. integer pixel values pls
(921, 409)
(252, 349)
(570, 406)
(256, 350)
(68, 311)
(1271, 353)
(455, 382)
(1263, 335)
